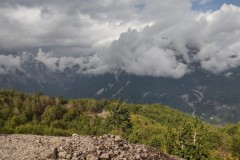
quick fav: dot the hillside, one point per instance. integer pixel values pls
(166, 129)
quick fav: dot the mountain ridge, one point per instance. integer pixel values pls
(220, 103)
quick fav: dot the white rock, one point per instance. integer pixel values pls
(104, 156)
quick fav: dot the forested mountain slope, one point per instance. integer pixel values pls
(168, 130)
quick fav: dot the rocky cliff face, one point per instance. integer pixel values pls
(107, 147)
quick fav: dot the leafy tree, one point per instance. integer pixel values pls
(71, 114)
(235, 147)
(5, 111)
(170, 141)
(192, 144)
(52, 113)
(59, 124)
(120, 119)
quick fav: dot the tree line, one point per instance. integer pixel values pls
(169, 130)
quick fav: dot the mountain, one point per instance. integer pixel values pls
(213, 97)
(166, 129)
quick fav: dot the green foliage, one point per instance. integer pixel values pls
(135, 135)
(71, 114)
(191, 141)
(159, 126)
(52, 113)
(170, 143)
(119, 119)
(156, 141)
(235, 147)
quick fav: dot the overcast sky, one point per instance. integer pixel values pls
(140, 37)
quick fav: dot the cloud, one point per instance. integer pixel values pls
(152, 38)
(163, 50)
(136, 54)
(86, 64)
(220, 50)
(202, 1)
(9, 63)
(76, 27)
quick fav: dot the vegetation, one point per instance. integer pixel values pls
(169, 130)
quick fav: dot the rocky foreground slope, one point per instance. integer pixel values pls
(75, 147)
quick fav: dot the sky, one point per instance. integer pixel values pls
(145, 38)
(206, 5)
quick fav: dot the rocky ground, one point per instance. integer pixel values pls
(19, 147)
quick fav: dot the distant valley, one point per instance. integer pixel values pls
(215, 98)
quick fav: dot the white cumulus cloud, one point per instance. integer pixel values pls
(152, 38)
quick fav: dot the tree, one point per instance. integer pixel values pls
(235, 147)
(71, 114)
(52, 113)
(120, 119)
(192, 141)
(170, 141)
